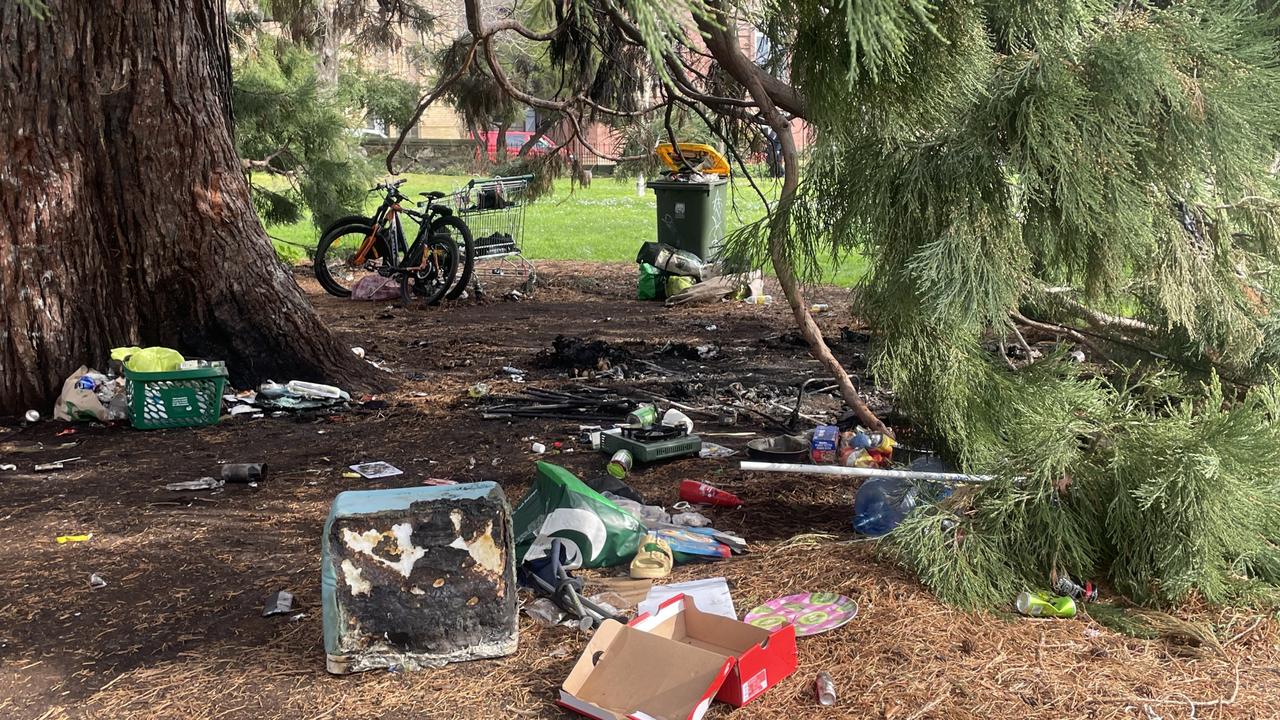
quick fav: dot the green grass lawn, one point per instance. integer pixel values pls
(605, 222)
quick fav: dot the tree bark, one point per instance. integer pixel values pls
(326, 44)
(125, 218)
(721, 41)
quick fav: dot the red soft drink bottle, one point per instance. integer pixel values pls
(699, 493)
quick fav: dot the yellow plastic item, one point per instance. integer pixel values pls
(703, 158)
(152, 359)
(64, 539)
(653, 560)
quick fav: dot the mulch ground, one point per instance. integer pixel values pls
(177, 632)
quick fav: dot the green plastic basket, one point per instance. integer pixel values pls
(180, 398)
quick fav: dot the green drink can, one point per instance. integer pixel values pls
(644, 416)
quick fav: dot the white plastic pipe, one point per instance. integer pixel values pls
(863, 472)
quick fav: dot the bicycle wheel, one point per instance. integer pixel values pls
(335, 262)
(460, 234)
(429, 283)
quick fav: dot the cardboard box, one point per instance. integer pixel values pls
(761, 658)
(669, 665)
(825, 444)
(626, 673)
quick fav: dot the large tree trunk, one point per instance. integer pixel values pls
(124, 217)
(326, 45)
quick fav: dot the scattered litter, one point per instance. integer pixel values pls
(703, 494)
(711, 595)
(1076, 355)
(32, 416)
(64, 539)
(559, 653)
(280, 603)
(691, 519)
(242, 409)
(716, 452)
(653, 559)
(514, 296)
(96, 581)
(65, 432)
(1042, 604)
(316, 390)
(825, 689)
(544, 612)
(1084, 593)
(811, 613)
(376, 470)
(8, 467)
(297, 618)
(244, 472)
(670, 663)
(538, 448)
(351, 475)
(49, 467)
(358, 351)
(620, 463)
(439, 481)
(478, 390)
(204, 483)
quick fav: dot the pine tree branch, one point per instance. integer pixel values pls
(1097, 318)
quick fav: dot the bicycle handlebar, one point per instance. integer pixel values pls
(391, 188)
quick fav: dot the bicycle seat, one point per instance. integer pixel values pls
(433, 195)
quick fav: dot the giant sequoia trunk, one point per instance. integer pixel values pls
(124, 218)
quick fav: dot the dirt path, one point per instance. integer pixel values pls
(177, 632)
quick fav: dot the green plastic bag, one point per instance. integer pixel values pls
(562, 506)
(652, 283)
(152, 359)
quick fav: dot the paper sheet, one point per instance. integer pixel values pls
(710, 595)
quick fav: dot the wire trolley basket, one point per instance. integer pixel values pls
(493, 209)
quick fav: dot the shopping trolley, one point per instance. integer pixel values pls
(493, 209)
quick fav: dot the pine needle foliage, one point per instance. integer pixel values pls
(981, 152)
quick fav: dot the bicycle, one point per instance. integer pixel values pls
(356, 247)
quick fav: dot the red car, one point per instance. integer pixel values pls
(515, 140)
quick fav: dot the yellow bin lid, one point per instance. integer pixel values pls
(704, 158)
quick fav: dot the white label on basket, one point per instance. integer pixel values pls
(182, 402)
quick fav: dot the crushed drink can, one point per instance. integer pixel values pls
(1037, 604)
(825, 689)
(1084, 593)
(620, 464)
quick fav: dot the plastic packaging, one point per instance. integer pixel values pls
(309, 389)
(33, 416)
(882, 503)
(675, 418)
(825, 689)
(544, 612)
(759, 300)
